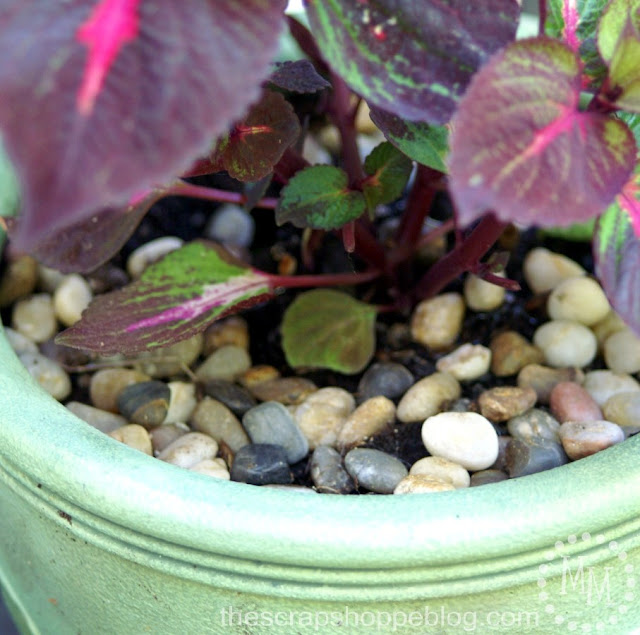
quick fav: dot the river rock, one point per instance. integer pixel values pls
(216, 468)
(583, 438)
(258, 374)
(622, 352)
(212, 417)
(442, 469)
(543, 378)
(422, 484)
(328, 473)
(232, 331)
(566, 343)
(101, 419)
(427, 397)
(486, 477)
(107, 383)
(603, 384)
(368, 419)
(50, 375)
(386, 379)
(146, 403)
(467, 362)
(286, 390)
(135, 436)
(260, 464)
(524, 458)
(481, 295)
(237, 398)
(437, 322)
(34, 317)
(171, 360)
(510, 351)
(571, 402)
(624, 409)
(227, 363)
(504, 402)
(580, 299)
(374, 470)
(534, 426)
(189, 449)
(544, 270)
(164, 435)
(19, 278)
(182, 401)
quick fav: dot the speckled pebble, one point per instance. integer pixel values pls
(189, 449)
(150, 252)
(271, 422)
(466, 438)
(580, 299)
(422, 484)
(34, 317)
(386, 379)
(467, 362)
(534, 426)
(603, 384)
(544, 270)
(107, 383)
(214, 418)
(571, 402)
(374, 470)
(135, 436)
(510, 352)
(237, 398)
(260, 464)
(286, 390)
(146, 403)
(215, 468)
(524, 458)
(71, 298)
(50, 375)
(101, 419)
(624, 409)
(504, 402)
(566, 343)
(486, 477)
(481, 295)
(182, 401)
(164, 435)
(169, 360)
(442, 469)
(543, 378)
(232, 331)
(584, 438)
(427, 397)
(436, 323)
(368, 419)
(226, 363)
(328, 473)
(622, 352)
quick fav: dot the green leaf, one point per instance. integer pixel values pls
(578, 232)
(329, 329)
(174, 299)
(521, 147)
(411, 58)
(422, 142)
(9, 186)
(318, 197)
(388, 170)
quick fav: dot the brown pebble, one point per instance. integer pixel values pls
(286, 390)
(18, 279)
(135, 436)
(584, 438)
(106, 385)
(484, 477)
(510, 352)
(571, 402)
(258, 374)
(232, 331)
(543, 378)
(368, 419)
(504, 402)
(164, 435)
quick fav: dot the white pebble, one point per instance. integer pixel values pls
(189, 449)
(427, 396)
(422, 484)
(481, 295)
(35, 318)
(436, 323)
(212, 467)
(467, 362)
(566, 343)
(603, 384)
(19, 343)
(443, 469)
(544, 270)
(135, 436)
(610, 324)
(622, 352)
(71, 297)
(150, 252)
(231, 225)
(580, 299)
(182, 402)
(50, 375)
(466, 438)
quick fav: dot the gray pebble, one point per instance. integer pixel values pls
(501, 462)
(227, 362)
(534, 426)
(328, 473)
(146, 403)
(286, 390)
(214, 418)
(524, 458)
(236, 398)
(164, 435)
(484, 477)
(375, 470)
(260, 464)
(231, 225)
(387, 379)
(271, 422)
(101, 419)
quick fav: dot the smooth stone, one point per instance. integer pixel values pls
(386, 379)
(216, 468)
(101, 419)
(258, 374)
(182, 401)
(466, 438)
(624, 409)
(467, 362)
(422, 484)
(486, 477)
(164, 435)
(231, 225)
(107, 383)
(571, 402)
(261, 464)
(214, 418)
(286, 390)
(481, 295)
(339, 398)
(584, 438)
(503, 442)
(534, 426)
(189, 449)
(141, 257)
(135, 436)
(49, 374)
(603, 384)
(543, 378)
(226, 363)
(320, 423)
(463, 404)
(622, 352)
(566, 343)
(271, 422)
(19, 279)
(524, 458)
(436, 323)
(236, 398)
(505, 402)
(580, 299)
(71, 297)
(169, 361)
(328, 473)
(374, 470)
(48, 278)
(146, 403)
(427, 397)
(511, 352)
(610, 324)
(232, 331)
(34, 317)
(19, 343)
(543, 269)
(368, 419)
(442, 469)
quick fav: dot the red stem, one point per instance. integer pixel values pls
(182, 188)
(323, 280)
(542, 14)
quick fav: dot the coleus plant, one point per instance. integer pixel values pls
(109, 105)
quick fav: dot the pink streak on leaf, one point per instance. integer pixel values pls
(110, 26)
(564, 123)
(629, 201)
(571, 18)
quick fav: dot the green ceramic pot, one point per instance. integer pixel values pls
(98, 538)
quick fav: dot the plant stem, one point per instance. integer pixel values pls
(462, 258)
(542, 15)
(182, 188)
(323, 280)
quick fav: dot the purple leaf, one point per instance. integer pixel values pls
(104, 99)
(521, 147)
(298, 77)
